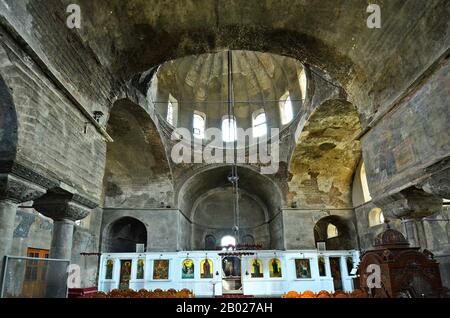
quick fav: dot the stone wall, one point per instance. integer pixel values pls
(69, 60)
(299, 226)
(51, 132)
(163, 227)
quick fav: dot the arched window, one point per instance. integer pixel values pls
(303, 83)
(210, 242)
(259, 125)
(376, 217)
(198, 125)
(227, 242)
(172, 111)
(248, 240)
(332, 231)
(286, 112)
(364, 184)
(229, 128)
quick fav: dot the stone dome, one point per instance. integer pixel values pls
(390, 237)
(198, 84)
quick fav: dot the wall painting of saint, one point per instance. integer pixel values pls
(303, 268)
(322, 270)
(140, 269)
(109, 269)
(125, 274)
(187, 269)
(161, 269)
(206, 268)
(256, 268)
(275, 268)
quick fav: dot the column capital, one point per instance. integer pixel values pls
(410, 203)
(59, 204)
(17, 189)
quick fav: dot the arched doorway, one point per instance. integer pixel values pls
(124, 234)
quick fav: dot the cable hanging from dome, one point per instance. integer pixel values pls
(232, 128)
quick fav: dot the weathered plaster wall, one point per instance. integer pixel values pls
(33, 230)
(413, 136)
(325, 158)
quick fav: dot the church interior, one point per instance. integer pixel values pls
(224, 148)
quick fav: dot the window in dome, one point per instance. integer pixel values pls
(259, 125)
(229, 128)
(303, 84)
(171, 117)
(199, 125)
(364, 184)
(228, 242)
(332, 231)
(286, 111)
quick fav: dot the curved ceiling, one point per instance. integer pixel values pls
(373, 65)
(217, 177)
(257, 77)
(325, 157)
(137, 171)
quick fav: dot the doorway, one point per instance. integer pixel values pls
(35, 273)
(335, 266)
(231, 275)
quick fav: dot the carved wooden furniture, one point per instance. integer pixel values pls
(405, 271)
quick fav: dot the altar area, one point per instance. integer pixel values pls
(216, 273)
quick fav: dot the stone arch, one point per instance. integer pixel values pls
(8, 124)
(194, 184)
(345, 233)
(122, 234)
(325, 157)
(137, 173)
(201, 191)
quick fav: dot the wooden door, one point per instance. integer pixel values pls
(35, 272)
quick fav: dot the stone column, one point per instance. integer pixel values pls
(62, 238)
(13, 190)
(64, 208)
